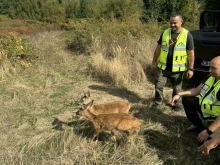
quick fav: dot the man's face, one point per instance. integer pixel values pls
(175, 24)
(215, 68)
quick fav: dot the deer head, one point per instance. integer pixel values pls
(84, 107)
(85, 99)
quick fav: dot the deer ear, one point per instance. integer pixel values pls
(89, 104)
(82, 107)
(88, 93)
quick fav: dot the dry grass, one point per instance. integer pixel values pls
(130, 56)
(131, 61)
(30, 99)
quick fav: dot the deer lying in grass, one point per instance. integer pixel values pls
(106, 108)
(111, 122)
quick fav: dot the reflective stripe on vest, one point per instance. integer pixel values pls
(202, 92)
(210, 106)
(212, 99)
(180, 59)
(208, 117)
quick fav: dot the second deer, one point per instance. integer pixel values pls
(106, 108)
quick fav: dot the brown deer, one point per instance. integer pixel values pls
(106, 108)
(111, 122)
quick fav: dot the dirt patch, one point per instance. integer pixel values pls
(20, 30)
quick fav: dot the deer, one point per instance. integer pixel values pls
(105, 108)
(111, 122)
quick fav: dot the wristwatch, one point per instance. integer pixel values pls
(209, 131)
(191, 69)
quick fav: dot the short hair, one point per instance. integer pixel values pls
(177, 13)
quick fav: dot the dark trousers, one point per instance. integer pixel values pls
(175, 78)
(193, 111)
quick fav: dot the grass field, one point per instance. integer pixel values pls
(31, 98)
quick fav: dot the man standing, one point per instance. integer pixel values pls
(173, 56)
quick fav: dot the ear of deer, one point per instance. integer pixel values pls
(88, 93)
(87, 106)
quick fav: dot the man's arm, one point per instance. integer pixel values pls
(156, 54)
(215, 125)
(155, 58)
(205, 134)
(192, 92)
(191, 58)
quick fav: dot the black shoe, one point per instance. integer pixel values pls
(191, 128)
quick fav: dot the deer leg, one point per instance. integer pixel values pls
(132, 133)
(113, 136)
(114, 139)
(97, 131)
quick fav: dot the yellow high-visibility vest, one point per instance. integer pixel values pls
(210, 106)
(180, 59)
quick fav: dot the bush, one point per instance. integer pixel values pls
(80, 35)
(15, 52)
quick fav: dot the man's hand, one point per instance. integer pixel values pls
(203, 135)
(175, 99)
(153, 67)
(207, 146)
(189, 74)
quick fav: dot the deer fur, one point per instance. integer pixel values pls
(112, 123)
(107, 108)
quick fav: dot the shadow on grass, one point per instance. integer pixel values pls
(172, 143)
(83, 128)
(123, 93)
(182, 150)
(150, 75)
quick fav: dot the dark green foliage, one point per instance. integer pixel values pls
(80, 37)
(160, 10)
(4, 6)
(103, 8)
(213, 4)
(72, 8)
(47, 10)
(61, 10)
